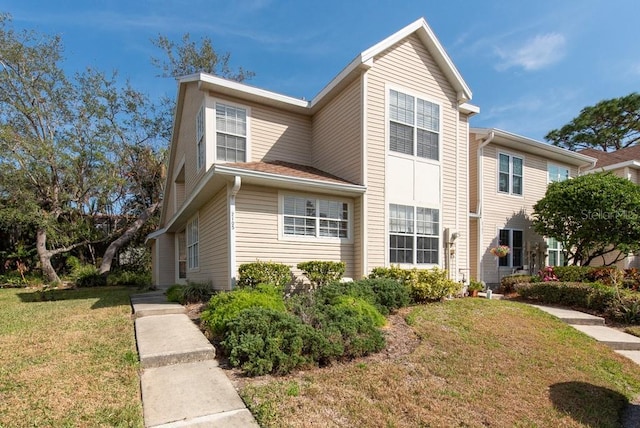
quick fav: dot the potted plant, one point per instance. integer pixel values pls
(474, 287)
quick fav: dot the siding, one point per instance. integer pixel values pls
(336, 131)
(213, 243)
(257, 234)
(408, 64)
(165, 264)
(186, 146)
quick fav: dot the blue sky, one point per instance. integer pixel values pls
(532, 65)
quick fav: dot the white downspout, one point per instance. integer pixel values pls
(233, 191)
(479, 210)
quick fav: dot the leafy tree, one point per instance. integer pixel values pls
(609, 125)
(190, 58)
(593, 216)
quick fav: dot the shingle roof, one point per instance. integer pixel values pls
(612, 158)
(289, 169)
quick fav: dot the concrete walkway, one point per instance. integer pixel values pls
(181, 383)
(623, 343)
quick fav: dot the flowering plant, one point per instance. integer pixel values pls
(500, 250)
(547, 274)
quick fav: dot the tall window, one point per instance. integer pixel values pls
(556, 252)
(182, 256)
(193, 261)
(510, 174)
(414, 126)
(514, 240)
(413, 234)
(315, 217)
(557, 173)
(231, 133)
(200, 144)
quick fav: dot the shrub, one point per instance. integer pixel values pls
(225, 306)
(175, 293)
(196, 292)
(129, 278)
(609, 275)
(573, 273)
(390, 294)
(262, 340)
(393, 272)
(508, 283)
(431, 285)
(363, 308)
(594, 296)
(321, 272)
(252, 274)
(88, 276)
(625, 308)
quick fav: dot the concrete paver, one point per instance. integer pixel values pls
(632, 355)
(154, 303)
(570, 316)
(611, 337)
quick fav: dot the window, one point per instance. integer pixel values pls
(514, 240)
(315, 217)
(200, 144)
(557, 173)
(192, 244)
(556, 252)
(413, 234)
(413, 120)
(182, 256)
(510, 174)
(231, 133)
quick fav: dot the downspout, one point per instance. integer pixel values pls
(478, 212)
(233, 191)
(457, 197)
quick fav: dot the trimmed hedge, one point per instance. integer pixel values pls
(320, 272)
(594, 296)
(425, 285)
(252, 274)
(508, 283)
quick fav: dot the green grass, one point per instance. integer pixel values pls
(478, 363)
(68, 359)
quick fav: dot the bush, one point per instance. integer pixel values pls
(321, 272)
(609, 275)
(129, 278)
(196, 292)
(594, 296)
(431, 285)
(252, 274)
(225, 306)
(175, 293)
(88, 276)
(393, 272)
(508, 283)
(390, 294)
(262, 340)
(573, 273)
(625, 308)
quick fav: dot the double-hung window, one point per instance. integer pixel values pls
(414, 126)
(200, 144)
(514, 240)
(324, 218)
(556, 252)
(557, 173)
(413, 234)
(510, 174)
(193, 261)
(231, 133)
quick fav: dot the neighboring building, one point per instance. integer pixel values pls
(373, 171)
(508, 174)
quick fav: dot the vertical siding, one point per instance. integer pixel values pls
(257, 234)
(213, 243)
(408, 64)
(336, 131)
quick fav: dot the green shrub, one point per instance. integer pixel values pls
(507, 283)
(390, 294)
(197, 292)
(261, 340)
(431, 285)
(592, 296)
(363, 308)
(88, 276)
(225, 306)
(129, 278)
(573, 273)
(393, 272)
(609, 275)
(175, 293)
(252, 274)
(625, 307)
(321, 272)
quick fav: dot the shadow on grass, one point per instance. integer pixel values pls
(591, 405)
(107, 297)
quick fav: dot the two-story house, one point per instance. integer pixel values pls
(373, 171)
(508, 174)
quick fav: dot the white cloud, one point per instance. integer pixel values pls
(539, 52)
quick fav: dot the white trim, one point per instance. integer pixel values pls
(247, 109)
(626, 164)
(364, 203)
(510, 255)
(176, 250)
(315, 239)
(232, 191)
(174, 186)
(511, 156)
(557, 165)
(415, 235)
(194, 268)
(201, 162)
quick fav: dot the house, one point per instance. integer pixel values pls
(508, 174)
(372, 171)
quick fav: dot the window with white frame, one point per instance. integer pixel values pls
(514, 240)
(231, 133)
(323, 218)
(414, 126)
(193, 256)
(510, 174)
(182, 255)
(200, 144)
(556, 252)
(557, 173)
(413, 234)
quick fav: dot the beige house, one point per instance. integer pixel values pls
(373, 171)
(508, 174)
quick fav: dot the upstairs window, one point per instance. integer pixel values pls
(557, 173)
(200, 144)
(414, 127)
(231, 133)
(510, 174)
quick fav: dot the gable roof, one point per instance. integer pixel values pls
(629, 156)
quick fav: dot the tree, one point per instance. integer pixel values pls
(189, 58)
(609, 125)
(592, 216)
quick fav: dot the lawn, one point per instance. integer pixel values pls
(467, 362)
(70, 361)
